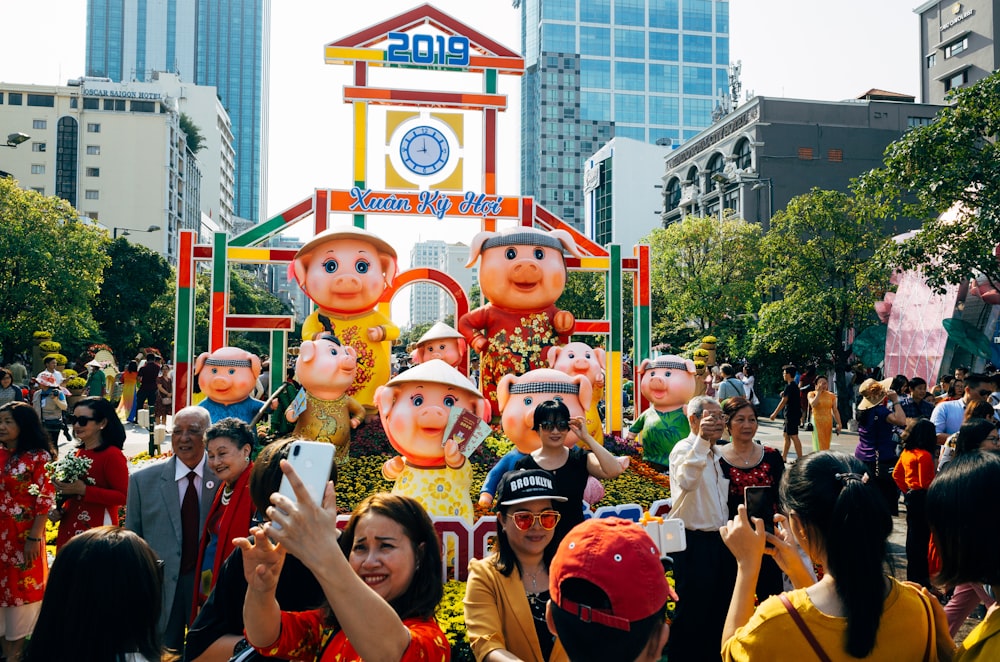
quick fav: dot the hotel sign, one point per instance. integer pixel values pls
(958, 19)
(121, 94)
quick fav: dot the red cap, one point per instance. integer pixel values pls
(618, 557)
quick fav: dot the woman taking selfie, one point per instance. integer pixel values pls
(382, 579)
(856, 610)
(24, 450)
(506, 593)
(95, 500)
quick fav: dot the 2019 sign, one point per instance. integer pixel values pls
(427, 49)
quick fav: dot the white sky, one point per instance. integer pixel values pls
(791, 48)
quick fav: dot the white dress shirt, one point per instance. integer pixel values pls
(699, 490)
(180, 477)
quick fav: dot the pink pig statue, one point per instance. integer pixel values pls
(441, 342)
(522, 272)
(345, 271)
(326, 370)
(414, 408)
(577, 358)
(227, 377)
(668, 382)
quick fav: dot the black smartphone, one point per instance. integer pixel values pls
(760, 503)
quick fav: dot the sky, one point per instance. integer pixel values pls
(789, 48)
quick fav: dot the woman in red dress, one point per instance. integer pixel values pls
(229, 444)
(94, 501)
(26, 448)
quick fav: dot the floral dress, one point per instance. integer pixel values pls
(129, 381)
(23, 473)
(99, 506)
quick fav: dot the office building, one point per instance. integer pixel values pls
(957, 45)
(649, 70)
(430, 303)
(760, 156)
(282, 285)
(116, 152)
(219, 43)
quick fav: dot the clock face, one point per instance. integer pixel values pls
(424, 150)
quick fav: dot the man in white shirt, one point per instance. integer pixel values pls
(705, 573)
(947, 416)
(50, 368)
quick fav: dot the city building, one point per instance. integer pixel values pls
(116, 152)
(430, 303)
(219, 43)
(622, 191)
(649, 70)
(957, 45)
(757, 158)
(282, 285)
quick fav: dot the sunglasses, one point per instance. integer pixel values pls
(554, 425)
(547, 519)
(983, 392)
(80, 420)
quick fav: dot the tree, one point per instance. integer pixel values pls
(129, 307)
(818, 253)
(704, 277)
(195, 140)
(247, 296)
(51, 266)
(954, 159)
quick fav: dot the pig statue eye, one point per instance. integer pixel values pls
(652, 373)
(511, 253)
(232, 372)
(539, 254)
(330, 266)
(215, 371)
(666, 374)
(362, 266)
(587, 355)
(417, 400)
(528, 400)
(450, 401)
(333, 351)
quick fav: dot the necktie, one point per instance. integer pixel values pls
(189, 526)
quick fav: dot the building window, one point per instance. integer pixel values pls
(595, 41)
(93, 127)
(93, 172)
(664, 46)
(697, 49)
(596, 11)
(630, 76)
(664, 78)
(558, 38)
(92, 215)
(595, 73)
(629, 12)
(805, 153)
(42, 100)
(114, 104)
(37, 147)
(39, 124)
(559, 10)
(1, 97)
(38, 189)
(956, 47)
(67, 141)
(664, 14)
(73, 102)
(698, 80)
(673, 194)
(698, 15)
(715, 166)
(630, 43)
(14, 98)
(93, 150)
(835, 155)
(143, 106)
(931, 60)
(697, 113)
(91, 104)
(37, 168)
(630, 108)
(91, 194)
(664, 110)
(914, 122)
(957, 80)
(743, 156)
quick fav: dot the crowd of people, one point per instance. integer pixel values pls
(782, 559)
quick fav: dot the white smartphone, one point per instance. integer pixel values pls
(313, 462)
(673, 538)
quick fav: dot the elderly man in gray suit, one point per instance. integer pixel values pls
(167, 506)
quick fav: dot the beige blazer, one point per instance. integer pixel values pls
(497, 615)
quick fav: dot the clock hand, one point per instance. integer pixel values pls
(423, 145)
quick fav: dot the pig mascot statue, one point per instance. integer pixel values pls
(345, 271)
(414, 408)
(326, 370)
(522, 273)
(441, 342)
(577, 358)
(227, 377)
(668, 382)
(519, 395)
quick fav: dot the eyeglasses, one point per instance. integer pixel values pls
(554, 425)
(524, 520)
(993, 439)
(80, 420)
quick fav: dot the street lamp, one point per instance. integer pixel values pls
(760, 183)
(127, 231)
(15, 139)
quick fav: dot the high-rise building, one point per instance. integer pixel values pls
(650, 70)
(222, 43)
(430, 303)
(957, 45)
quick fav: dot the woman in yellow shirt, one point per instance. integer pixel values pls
(835, 512)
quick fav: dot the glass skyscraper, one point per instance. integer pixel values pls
(222, 43)
(649, 70)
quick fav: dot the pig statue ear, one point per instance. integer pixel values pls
(307, 351)
(552, 355)
(476, 247)
(602, 357)
(254, 364)
(415, 356)
(389, 267)
(385, 396)
(298, 269)
(586, 391)
(200, 362)
(503, 390)
(567, 241)
(484, 410)
(353, 353)
(645, 365)
(690, 366)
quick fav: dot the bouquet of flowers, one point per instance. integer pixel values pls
(66, 470)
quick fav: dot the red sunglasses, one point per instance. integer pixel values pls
(524, 520)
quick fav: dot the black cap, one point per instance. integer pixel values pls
(527, 485)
